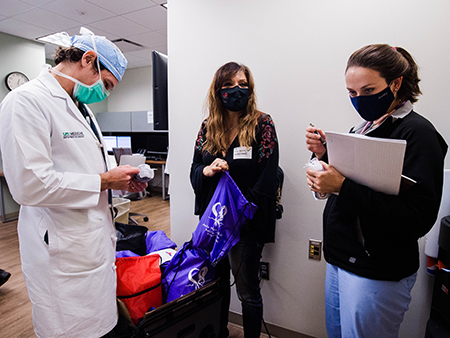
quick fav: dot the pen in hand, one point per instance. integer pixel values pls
(316, 132)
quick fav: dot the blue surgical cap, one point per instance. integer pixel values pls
(108, 53)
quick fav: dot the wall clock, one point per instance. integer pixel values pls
(15, 79)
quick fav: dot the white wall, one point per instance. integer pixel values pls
(21, 55)
(17, 54)
(297, 52)
(134, 92)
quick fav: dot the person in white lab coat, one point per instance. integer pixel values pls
(54, 164)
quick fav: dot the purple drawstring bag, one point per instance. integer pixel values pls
(219, 228)
(187, 271)
(125, 253)
(217, 232)
(153, 240)
(158, 240)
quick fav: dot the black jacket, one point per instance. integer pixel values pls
(375, 235)
(255, 177)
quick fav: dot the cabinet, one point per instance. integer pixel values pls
(141, 121)
(131, 121)
(138, 125)
(114, 122)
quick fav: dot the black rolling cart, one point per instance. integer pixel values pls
(438, 325)
(195, 315)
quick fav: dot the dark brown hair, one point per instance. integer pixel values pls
(391, 63)
(72, 54)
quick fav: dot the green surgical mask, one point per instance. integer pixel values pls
(90, 94)
(84, 93)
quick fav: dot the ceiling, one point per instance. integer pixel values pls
(143, 22)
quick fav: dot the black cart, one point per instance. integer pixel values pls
(438, 325)
(195, 315)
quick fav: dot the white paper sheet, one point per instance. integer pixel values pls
(374, 162)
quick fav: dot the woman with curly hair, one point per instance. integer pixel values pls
(239, 138)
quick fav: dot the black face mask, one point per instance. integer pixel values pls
(235, 99)
(372, 107)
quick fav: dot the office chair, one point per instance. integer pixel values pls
(134, 160)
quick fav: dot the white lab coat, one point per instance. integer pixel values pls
(52, 161)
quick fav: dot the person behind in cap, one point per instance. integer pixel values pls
(54, 161)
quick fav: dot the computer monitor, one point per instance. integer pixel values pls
(160, 98)
(111, 142)
(121, 151)
(123, 141)
(157, 143)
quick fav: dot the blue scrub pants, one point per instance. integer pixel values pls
(360, 307)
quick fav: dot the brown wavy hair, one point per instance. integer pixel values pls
(391, 63)
(215, 124)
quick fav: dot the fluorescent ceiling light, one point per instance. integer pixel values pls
(59, 39)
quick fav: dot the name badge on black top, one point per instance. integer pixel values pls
(242, 153)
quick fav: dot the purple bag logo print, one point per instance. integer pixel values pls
(219, 215)
(219, 212)
(201, 277)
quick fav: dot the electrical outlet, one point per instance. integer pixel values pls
(315, 249)
(264, 270)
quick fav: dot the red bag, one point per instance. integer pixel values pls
(139, 284)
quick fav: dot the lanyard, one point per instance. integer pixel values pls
(366, 127)
(369, 124)
(92, 124)
(94, 129)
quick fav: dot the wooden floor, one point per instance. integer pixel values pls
(15, 306)
(157, 210)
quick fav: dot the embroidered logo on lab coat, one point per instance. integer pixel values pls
(73, 134)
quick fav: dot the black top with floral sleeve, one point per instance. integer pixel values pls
(256, 177)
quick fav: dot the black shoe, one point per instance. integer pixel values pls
(224, 333)
(4, 276)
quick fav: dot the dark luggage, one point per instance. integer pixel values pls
(195, 315)
(438, 325)
(131, 237)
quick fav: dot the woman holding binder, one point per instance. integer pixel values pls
(370, 238)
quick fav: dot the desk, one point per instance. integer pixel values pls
(161, 163)
(2, 205)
